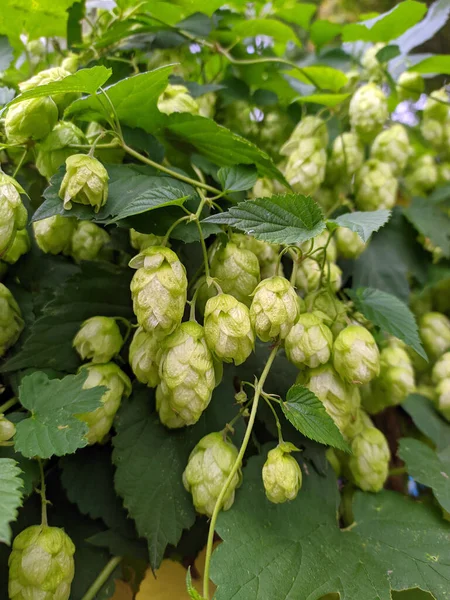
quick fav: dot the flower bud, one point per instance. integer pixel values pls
(442, 399)
(309, 127)
(305, 169)
(186, 371)
(98, 339)
(370, 63)
(347, 156)
(54, 234)
(422, 175)
(228, 329)
(141, 241)
(274, 308)
(47, 76)
(281, 473)
(410, 85)
(7, 429)
(89, 242)
(355, 355)
(85, 182)
(434, 329)
(237, 271)
(177, 99)
(392, 147)
(118, 385)
(30, 120)
(41, 564)
(53, 151)
(13, 214)
(368, 111)
(309, 342)
(375, 186)
(437, 106)
(11, 322)
(369, 461)
(143, 357)
(209, 465)
(20, 246)
(158, 290)
(348, 243)
(441, 369)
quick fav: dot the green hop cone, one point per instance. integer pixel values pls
(436, 134)
(98, 339)
(177, 99)
(375, 186)
(326, 197)
(369, 461)
(47, 76)
(54, 234)
(305, 168)
(158, 290)
(30, 120)
(422, 175)
(143, 358)
(309, 342)
(371, 65)
(70, 62)
(359, 421)
(368, 111)
(53, 151)
(187, 374)
(392, 147)
(441, 369)
(207, 105)
(348, 243)
(11, 322)
(410, 85)
(443, 173)
(141, 241)
(13, 214)
(442, 397)
(324, 301)
(281, 474)
(85, 182)
(309, 127)
(263, 188)
(89, 242)
(274, 309)
(308, 276)
(118, 385)
(209, 465)
(355, 355)
(437, 106)
(237, 271)
(20, 246)
(228, 329)
(7, 429)
(347, 156)
(41, 564)
(434, 329)
(267, 254)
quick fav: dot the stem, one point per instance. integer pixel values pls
(236, 466)
(172, 227)
(4, 407)
(397, 471)
(324, 260)
(42, 492)
(20, 163)
(277, 420)
(102, 578)
(204, 250)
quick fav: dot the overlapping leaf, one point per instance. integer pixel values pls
(427, 420)
(430, 221)
(11, 486)
(364, 223)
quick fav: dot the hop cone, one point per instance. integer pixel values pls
(370, 63)
(54, 234)
(53, 151)
(325, 302)
(263, 188)
(375, 186)
(176, 99)
(50, 76)
(20, 246)
(437, 106)
(434, 329)
(355, 355)
(98, 340)
(228, 329)
(309, 274)
(441, 369)
(347, 156)
(326, 197)
(209, 465)
(237, 271)
(141, 241)
(443, 397)
(158, 290)
(392, 147)
(360, 420)
(11, 322)
(309, 342)
(305, 169)
(118, 386)
(85, 182)
(368, 111)
(281, 474)
(143, 357)
(348, 243)
(89, 241)
(410, 86)
(7, 429)
(187, 374)
(13, 215)
(369, 461)
(30, 120)
(274, 308)
(41, 565)
(436, 134)
(309, 127)
(267, 254)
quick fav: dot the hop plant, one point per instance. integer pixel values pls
(11, 322)
(309, 127)
(437, 106)
(326, 197)
(442, 398)
(30, 120)
(7, 429)
(348, 243)
(207, 105)
(441, 369)
(118, 386)
(89, 241)
(369, 461)
(324, 302)
(158, 290)
(434, 329)
(274, 308)
(237, 271)
(71, 62)
(375, 186)
(267, 254)
(309, 342)
(355, 355)
(436, 134)
(309, 274)
(98, 339)
(41, 564)
(281, 474)
(317, 246)
(13, 215)
(209, 465)
(53, 151)
(85, 182)
(20, 246)
(443, 173)
(392, 147)
(228, 329)
(347, 156)
(54, 234)
(186, 371)
(359, 421)
(177, 99)
(47, 76)
(371, 64)
(368, 111)
(422, 175)
(305, 169)
(410, 85)
(141, 241)
(263, 188)
(143, 357)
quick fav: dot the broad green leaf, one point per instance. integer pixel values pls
(279, 31)
(300, 14)
(237, 179)
(428, 468)
(307, 414)
(52, 429)
(439, 64)
(387, 53)
(322, 32)
(322, 77)
(389, 314)
(29, 469)
(363, 223)
(86, 81)
(6, 53)
(324, 99)
(288, 219)
(436, 18)
(11, 485)
(296, 550)
(430, 221)
(197, 24)
(428, 420)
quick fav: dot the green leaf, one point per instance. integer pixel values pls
(387, 53)
(364, 223)
(10, 496)
(324, 99)
(428, 468)
(237, 179)
(279, 31)
(427, 420)
(29, 469)
(437, 64)
(389, 314)
(6, 53)
(430, 221)
(436, 18)
(52, 429)
(300, 14)
(85, 81)
(190, 588)
(323, 32)
(296, 549)
(307, 414)
(288, 219)
(322, 77)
